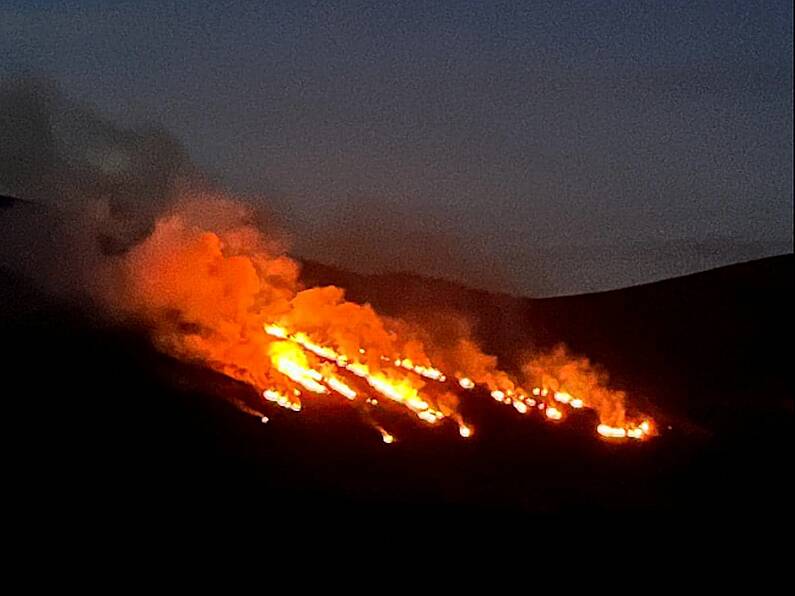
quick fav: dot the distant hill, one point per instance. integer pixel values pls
(561, 271)
(679, 340)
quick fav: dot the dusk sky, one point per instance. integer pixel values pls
(469, 137)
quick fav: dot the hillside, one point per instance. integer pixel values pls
(693, 342)
(101, 418)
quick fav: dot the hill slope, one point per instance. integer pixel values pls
(95, 408)
(690, 342)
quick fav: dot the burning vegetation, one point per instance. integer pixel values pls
(214, 289)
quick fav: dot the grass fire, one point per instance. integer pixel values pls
(215, 289)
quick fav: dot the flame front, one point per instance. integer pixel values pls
(230, 299)
(403, 392)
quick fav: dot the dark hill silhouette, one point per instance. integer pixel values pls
(667, 339)
(105, 421)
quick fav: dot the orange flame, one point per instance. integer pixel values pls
(224, 295)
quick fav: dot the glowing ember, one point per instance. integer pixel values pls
(611, 432)
(386, 437)
(631, 432)
(341, 387)
(562, 397)
(428, 372)
(553, 413)
(281, 400)
(466, 383)
(428, 417)
(276, 331)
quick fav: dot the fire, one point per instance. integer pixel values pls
(611, 432)
(466, 383)
(428, 372)
(227, 296)
(342, 388)
(562, 397)
(292, 362)
(553, 413)
(399, 390)
(386, 437)
(405, 394)
(280, 399)
(644, 429)
(520, 406)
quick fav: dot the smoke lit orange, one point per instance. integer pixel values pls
(216, 290)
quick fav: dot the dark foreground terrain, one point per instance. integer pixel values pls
(102, 422)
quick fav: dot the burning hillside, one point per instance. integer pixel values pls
(216, 290)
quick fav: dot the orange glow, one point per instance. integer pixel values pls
(611, 432)
(341, 387)
(386, 436)
(291, 362)
(553, 413)
(281, 400)
(224, 294)
(643, 430)
(466, 383)
(562, 397)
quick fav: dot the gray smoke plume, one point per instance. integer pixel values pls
(83, 186)
(60, 153)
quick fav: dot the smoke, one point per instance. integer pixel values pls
(141, 232)
(63, 154)
(207, 281)
(399, 238)
(87, 187)
(204, 294)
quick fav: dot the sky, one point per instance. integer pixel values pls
(536, 147)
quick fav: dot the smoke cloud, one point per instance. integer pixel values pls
(63, 154)
(141, 231)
